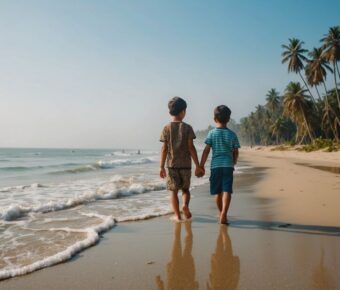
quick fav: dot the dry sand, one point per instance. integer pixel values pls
(278, 239)
(304, 186)
(314, 156)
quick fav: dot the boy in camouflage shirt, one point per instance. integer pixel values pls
(177, 151)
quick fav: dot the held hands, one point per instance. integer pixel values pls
(162, 172)
(200, 171)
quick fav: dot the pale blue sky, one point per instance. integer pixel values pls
(100, 73)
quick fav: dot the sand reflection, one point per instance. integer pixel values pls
(181, 268)
(225, 267)
(322, 278)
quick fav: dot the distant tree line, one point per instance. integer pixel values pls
(297, 115)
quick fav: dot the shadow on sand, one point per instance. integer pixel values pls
(274, 226)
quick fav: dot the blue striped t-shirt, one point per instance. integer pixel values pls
(223, 141)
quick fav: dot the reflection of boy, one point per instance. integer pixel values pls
(181, 268)
(225, 267)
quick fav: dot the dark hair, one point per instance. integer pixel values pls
(176, 105)
(222, 114)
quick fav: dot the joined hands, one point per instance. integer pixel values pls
(200, 171)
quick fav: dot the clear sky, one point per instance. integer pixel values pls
(100, 73)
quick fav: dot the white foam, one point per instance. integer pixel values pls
(122, 154)
(21, 187)
(110, 190)
(92, 236)
(239, 169)
(123, 162)
(144, 216)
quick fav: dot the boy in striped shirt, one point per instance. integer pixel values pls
(224, 144)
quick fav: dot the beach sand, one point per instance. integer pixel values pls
(284, 234)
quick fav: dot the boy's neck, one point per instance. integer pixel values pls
(176, 119)
(220, 125)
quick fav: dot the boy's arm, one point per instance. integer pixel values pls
(164, 152)
(193, 152)
(235, 155)
(236, 145)
(205, 155)
(199, 172)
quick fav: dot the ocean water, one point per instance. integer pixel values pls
(56, 202)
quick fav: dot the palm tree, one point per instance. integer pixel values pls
(317, 67)
(296, 106)
(294, 55)
(273, 100)
(245, 130)
(331, 46)
(316, 73)
(278, 128)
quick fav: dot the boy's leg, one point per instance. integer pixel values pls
(173, 185)
(218, 199)
(185, 175)
(225, 207)
(175, 204)
(186, 200)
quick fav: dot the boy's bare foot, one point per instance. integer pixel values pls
(223, 219)
(186, 212)
(177, 219)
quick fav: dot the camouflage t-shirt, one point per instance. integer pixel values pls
(176, 136)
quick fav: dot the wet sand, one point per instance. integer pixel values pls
(265, 247)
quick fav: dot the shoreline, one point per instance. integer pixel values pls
(314, 156)
(152, 254)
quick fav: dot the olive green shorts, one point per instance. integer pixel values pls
(178, 179)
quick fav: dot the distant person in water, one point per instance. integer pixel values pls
(224, 144)
(177, 151)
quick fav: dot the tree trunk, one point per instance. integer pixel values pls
(296, 134)
(337, 68)
(317, 91)
(324, 85)
(336, 85)
(327, 109)
(307, 126)
(311, 95)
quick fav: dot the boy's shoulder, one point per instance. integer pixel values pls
(222, 131)
(187, 125)
(232, 132)
(182, 124)
(178, 126)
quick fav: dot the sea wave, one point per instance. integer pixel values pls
(28, 168)
(92, 237)
(123, 162)
(81, 169)
(117, 188)
(21, 187)
(19, 168)
(120, 154)
(105, 164)
(240, 169)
